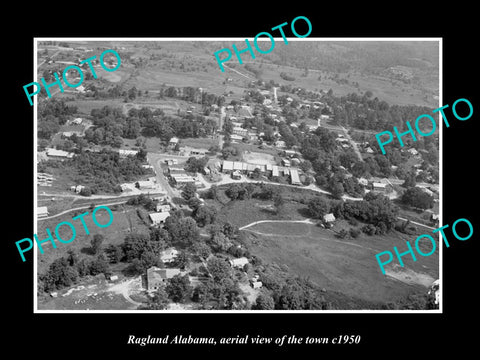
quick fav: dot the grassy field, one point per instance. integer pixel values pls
(113, 234)
(346, 266)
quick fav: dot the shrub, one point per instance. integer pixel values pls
(354, 232)
(369, 229)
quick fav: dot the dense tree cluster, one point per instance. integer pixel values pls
(66, 271)
(111, 125)
(375, 210)
(51, 115)
(417, 198)
(104, 170)
(286, 292)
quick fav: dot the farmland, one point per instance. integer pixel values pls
(345, 266)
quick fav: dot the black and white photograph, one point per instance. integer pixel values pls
(220, 181)
(261, 187)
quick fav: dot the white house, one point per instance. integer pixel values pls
(328, 218)
(159, 217)
(379, 187)
(173, 142)
(294, 177)
(256, 284)
(42, 212)
(145, 184)
(58, 154)
(163, 208)
(238, 263)
(126, 152)
(169, 255)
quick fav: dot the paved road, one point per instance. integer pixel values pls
(353, 143)
(80, 208)
(229, 180)
(155, 160)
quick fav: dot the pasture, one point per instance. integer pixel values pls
(347, 266)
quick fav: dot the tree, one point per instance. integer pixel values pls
(195, 165)
(337, 190)
(201, 250)
(114, 253)
(96, 243)
(59, 275)
(189, 191)
(410, 180)
(218, 268)
(159, 301)
(135, 244)
(279, 203)
(194, 203)
(183, 231)
(220, 242)
(306, 165)
(179, 288)
(72, 257)
(205, 215)
(417, 198)
(99, 265)
(318, 207)
(264, 301)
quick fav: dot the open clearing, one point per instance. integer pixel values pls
(347, 266)
(259, 158)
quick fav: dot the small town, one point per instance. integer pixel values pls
(258, 188)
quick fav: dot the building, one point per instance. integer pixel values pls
(173, 142)
(176, 170)
(42, 212)
(163, 208)
(77, 189)
(145, 185)
(77, 121)
(363, 181)
(58, 154)
(236, 138)
(171, 162)
(256, 284)
(159, 217)
(68, 134)
(236, 175)
(156, 276)
(240, 131)
(290, 153)
(125, 152)
(379, 187)
(181, 180)
(238, 263)
(275, 171)
(328, 218)
(286, 162)
(279, 144)
(198, 152)
(169, 255)
(227, 166)
(294, 177)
